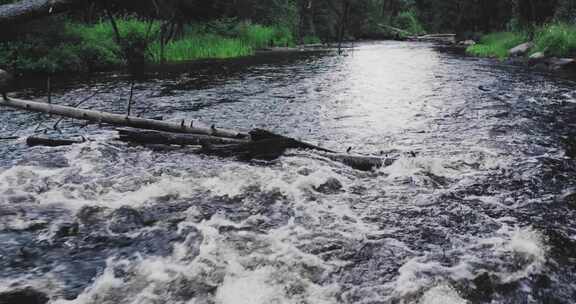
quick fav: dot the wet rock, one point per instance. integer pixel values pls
(331, 186)
(125, 219)
(23, 296)
(90, 215)
(305, 171)
(66, 230)
(19, 199)
(570, 200)
(467, 43)
(562, 247)
(536, 58)
(521, 49)
(561, 63)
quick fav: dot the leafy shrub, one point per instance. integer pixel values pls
(408, 21)
(255, 35)
(497, 45)
(556, 39)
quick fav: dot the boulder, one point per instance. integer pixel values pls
(521, 49)
(23, 296)
(467, 42)
(331, 186)
(561, 63)
(125, 219)
(536, 58)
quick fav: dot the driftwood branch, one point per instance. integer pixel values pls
(117, 119)
(33, 141)
(26, 10)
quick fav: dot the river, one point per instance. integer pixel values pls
(479, 208)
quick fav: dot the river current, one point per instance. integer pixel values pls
(480, 207)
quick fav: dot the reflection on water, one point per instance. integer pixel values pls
(480, 211)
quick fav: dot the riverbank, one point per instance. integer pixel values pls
(67, 46)
(550, 47)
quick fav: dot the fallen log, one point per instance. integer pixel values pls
(264, 145)
(118, 119)
(258, 144)
(34, 141)
(167, 138)
(26, 10)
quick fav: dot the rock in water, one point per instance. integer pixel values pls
(24, 296)
(5, 83)
(521, 49)
(331, 186)
(125, 219)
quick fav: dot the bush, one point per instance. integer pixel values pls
(98, 45)
(257, 36)
(311, 40)
(408, 21)
(497, 45)
(556, 39)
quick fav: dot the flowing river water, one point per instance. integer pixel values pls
(479, 208)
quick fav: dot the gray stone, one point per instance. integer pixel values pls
(560, 63)
(536, 58)
(125, 219)
(331, 186)
(521, 49)
(23, 296)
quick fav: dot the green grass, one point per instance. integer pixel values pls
(556, 39)
(220, 40)
(201, 47)
(97, 44)
(255, 35)
(497, 45)
(89, 47)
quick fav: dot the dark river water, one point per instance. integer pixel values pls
(480, 207)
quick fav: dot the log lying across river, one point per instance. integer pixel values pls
(257, 144)
(118, 119)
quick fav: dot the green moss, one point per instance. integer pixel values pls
(497, 45)
(556, 39)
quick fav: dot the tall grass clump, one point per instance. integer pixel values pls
(497, 45)
(255, 35)
(556, 39)
(261, 36)
(200, 47)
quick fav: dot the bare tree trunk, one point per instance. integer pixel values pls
(26, 10)
(118, 119)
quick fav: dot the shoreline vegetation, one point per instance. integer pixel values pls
(93, 47)
(554, 40)
(85, 40)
